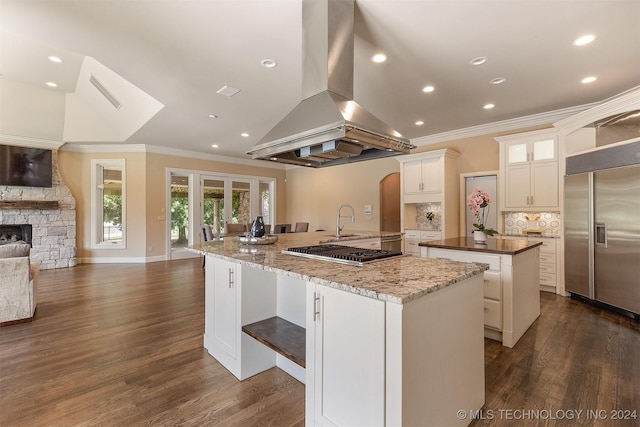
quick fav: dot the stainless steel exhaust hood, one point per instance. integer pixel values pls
(328, 127)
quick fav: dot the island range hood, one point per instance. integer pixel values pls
(328, 127)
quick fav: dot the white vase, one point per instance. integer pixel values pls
(479, 236)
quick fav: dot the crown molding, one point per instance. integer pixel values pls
(142, 148)
(622, 103)
(24, 141)
(546, 118)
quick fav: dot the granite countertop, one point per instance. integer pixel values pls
(532, 236)
(398, 280)
(494, 246)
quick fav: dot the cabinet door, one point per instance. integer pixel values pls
(349, 359)
(517, 186)
(544, 184)
(431, 175)
(224, 314)
(413, 176)
(517, 153)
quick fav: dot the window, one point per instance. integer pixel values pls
(108, 217)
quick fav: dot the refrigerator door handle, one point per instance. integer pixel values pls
(601, 234)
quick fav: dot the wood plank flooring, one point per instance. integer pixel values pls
(121, 345)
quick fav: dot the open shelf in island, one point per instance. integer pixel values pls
(286, 338)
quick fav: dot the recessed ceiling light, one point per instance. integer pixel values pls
(498, 80)
(379, 57)
(52, 84)
(273, 159)
(213, 116)
(589, 79)
(55, 59)
(488, 106)
(478, 61)
(428, 89)
(268, 63)
(214, 145)
(586, 39)
(244, 134)
(419, 123)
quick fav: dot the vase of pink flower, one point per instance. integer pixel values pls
(478, 202)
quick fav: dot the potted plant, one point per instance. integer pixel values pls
(478, 202)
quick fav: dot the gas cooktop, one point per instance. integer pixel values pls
(342, 254)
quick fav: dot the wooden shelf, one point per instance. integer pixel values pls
(28, 204)
(280, 335)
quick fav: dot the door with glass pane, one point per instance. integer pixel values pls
(180, 225)
(241, 212)
(213, 212)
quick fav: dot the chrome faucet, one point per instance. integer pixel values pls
(353, 218)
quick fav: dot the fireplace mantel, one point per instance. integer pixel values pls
(28, 204)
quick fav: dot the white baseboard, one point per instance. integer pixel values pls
(121, 260)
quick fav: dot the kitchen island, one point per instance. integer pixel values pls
(395, 342)
(511, 285)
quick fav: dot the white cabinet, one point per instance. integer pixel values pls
(529, 170)
(423, 176)
(222, 324)
(413, 237)
(511, 293)
(347, 339)
(548, 261)
(236, 295)
(376, 363)
(430, 177)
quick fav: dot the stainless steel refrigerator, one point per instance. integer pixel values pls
(602, 226)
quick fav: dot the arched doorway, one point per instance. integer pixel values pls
(390, 202)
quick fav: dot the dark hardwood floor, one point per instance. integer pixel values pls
(121, 345)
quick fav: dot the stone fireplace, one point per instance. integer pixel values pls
(51, 213)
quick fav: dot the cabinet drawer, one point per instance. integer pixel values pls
(548, 245)
(493, 314)
(547, 258)
(464, 256)
(411, 247)
(412, 234)
(547, 268)
(492, 285)
(547, 279)
(426, 236)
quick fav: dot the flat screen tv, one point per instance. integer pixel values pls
(25, 167)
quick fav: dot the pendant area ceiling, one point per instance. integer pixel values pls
(181, 54)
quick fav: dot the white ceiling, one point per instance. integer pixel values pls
(182, 52)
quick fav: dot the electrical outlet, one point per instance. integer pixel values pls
(368, 210)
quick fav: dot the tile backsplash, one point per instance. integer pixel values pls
(548, 223)
(426, 210)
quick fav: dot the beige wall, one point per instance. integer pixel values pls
(146, 197)
(302, 194)
(75, 169)
(314, 195)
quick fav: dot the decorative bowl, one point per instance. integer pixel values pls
(267, 239)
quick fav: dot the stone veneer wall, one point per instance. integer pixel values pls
(54, 230)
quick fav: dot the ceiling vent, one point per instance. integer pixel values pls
(112, 99)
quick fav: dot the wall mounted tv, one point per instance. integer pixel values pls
(25, 167)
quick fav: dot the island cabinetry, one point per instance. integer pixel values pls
(347, 341)
(548, 261)
(511, 292)
(529, 171)
(237, 295)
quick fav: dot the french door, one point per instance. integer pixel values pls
(198, 198)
